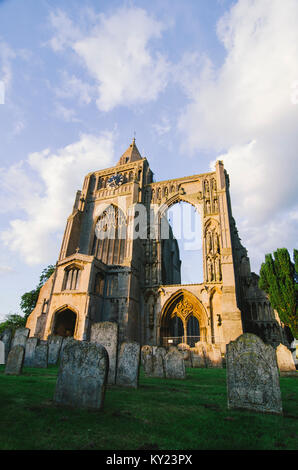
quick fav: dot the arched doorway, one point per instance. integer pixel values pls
(183, 320)
(65, 323)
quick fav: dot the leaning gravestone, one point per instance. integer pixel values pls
(174, 364)
(41, 355)
(31, 344)
(20, 337)
(55, 343)
(6, 338)
(2, 353)
(106, 334)
(82, 375)
(128, 365)
(285, 360)
(15, 360)
(252, 375)
(158, 361)
(146, 359)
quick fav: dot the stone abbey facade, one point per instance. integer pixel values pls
(105, 272)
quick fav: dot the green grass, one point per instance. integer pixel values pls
(162, 414)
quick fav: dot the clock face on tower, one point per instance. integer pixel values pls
(115, 181)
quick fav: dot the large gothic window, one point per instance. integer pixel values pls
(110, 236)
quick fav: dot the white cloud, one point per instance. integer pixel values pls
(243, 110)
(117, 55)
(43, 189)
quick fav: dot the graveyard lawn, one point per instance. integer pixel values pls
(162, 414)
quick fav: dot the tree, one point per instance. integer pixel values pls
(28, 302)
(29, 299)
(12, 322)
(278, 278)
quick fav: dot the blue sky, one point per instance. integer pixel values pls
(196, 80)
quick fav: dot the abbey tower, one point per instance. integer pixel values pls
(116, 264)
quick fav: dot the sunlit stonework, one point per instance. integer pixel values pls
(106, 273)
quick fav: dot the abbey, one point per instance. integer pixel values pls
(115, 265)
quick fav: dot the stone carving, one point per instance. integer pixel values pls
(15, 361)
(252, 375)
(30, 351)
(82, 375)
(2, 353)
(174, 364)
(128, 365)
(55, 343)
(41, 355)
(184, 308)
(20, 337)
(285, 360)
(106, 334)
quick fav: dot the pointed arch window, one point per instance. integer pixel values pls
(110, 236)
(72, 276)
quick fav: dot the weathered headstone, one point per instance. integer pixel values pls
(285, 360)
(41, 355)
(20, 337)
(106, 334)
(15, 361)
(2, 353)
(213, 356)
(6, 338)
(82, 375)
(31, 344)
(55, 344)
(146, 359)
(65, 341)
(199, 358)
(128, 365)
(252, 375)
(185, 350)
(174, 364)
(158, 361)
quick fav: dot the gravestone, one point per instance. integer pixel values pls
(252, 375)
(41, 355)
(106, 334)
(158, 361)
(174, 364)
(2, 353)
(55, 344)
(185, 350)
(147, 359)
(15, 360)
(20, 337)
(285, 360)
(198, 357)
(6, 338)
(65, 341)
(31, 344)
(82, 375)
(213, 356)
(128, 365)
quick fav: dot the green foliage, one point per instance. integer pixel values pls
(12, 322)
(28, 302)
(278, 278)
